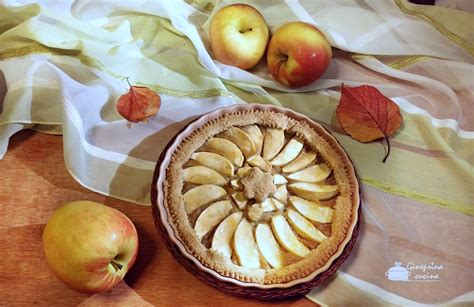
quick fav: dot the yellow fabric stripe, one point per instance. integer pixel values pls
(400, 63)
(407, 61)
(392, 189)
(36, 48)
(404, 6)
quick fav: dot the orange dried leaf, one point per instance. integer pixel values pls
(367, 115)
(138, 104)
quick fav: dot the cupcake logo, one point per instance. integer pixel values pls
(414, 271)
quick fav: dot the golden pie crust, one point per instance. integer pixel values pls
(343, 204)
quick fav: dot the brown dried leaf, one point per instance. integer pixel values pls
(367, 115)
(138, 104)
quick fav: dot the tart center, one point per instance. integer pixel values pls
(258, 184)
(259, 197)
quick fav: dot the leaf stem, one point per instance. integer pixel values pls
(388, 150)
(128, 81)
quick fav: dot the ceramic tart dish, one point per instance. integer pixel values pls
(257, 200)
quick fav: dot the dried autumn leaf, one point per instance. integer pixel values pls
(367, 115)
(138, 104)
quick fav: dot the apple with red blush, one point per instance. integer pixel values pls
(89, 246)
(298, 54)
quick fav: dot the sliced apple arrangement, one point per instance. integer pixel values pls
(259, 196)
(297, 53)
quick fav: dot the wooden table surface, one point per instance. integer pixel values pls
(33, 183)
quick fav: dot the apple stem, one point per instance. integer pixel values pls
(117, 266)
(278, 66)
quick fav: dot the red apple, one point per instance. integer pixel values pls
(239, 35)
(89, 246)
(298, 54)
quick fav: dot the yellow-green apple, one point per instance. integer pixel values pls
(298, 54)
(90, 246)
(239, 35)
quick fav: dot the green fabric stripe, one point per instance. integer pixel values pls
(116, 51)
(36, 48)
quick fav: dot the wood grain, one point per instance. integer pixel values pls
(34, 182)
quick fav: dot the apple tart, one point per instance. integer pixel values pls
(259, 196)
